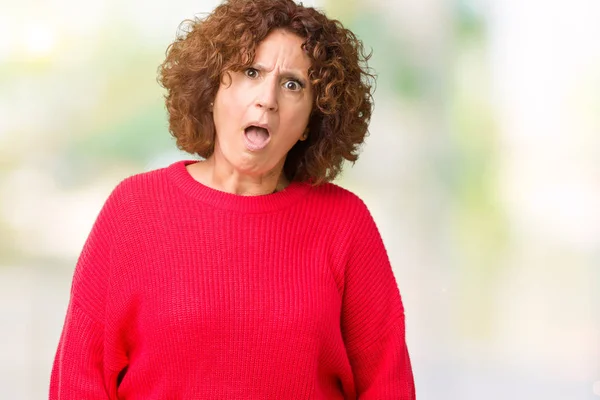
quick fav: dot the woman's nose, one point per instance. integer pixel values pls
(267, 96)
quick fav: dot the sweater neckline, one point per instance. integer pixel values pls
(294, 192)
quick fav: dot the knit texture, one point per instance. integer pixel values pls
(186, 292)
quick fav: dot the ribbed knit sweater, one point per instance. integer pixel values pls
(185, 292)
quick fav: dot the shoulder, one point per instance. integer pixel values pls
(130, 200)
(140, 186)
(338, 208)
(339, 198)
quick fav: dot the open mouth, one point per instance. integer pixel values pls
(256, 137)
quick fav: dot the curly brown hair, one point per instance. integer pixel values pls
(226, 40)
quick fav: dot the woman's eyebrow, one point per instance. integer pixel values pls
(291, 73)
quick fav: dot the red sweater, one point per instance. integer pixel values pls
(185, 292)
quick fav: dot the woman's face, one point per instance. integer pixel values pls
(260, 113)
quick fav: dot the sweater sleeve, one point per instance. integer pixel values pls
(79, 370)
(373, 319)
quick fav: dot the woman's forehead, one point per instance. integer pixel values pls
(282, 50)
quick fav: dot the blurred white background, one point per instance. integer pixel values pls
(482, 171)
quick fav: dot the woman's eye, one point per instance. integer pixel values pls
(293, 86)
(251, 73)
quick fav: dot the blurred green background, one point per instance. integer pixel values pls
(482, 171)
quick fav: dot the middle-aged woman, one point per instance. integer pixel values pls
(246, 275)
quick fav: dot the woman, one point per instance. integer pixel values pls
(246, 275)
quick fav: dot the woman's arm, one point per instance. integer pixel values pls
(79, 370)
(373, 319)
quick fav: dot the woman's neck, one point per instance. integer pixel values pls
(227, 179)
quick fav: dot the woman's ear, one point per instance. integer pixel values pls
(304, 135)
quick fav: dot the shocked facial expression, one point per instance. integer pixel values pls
(262, 111)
